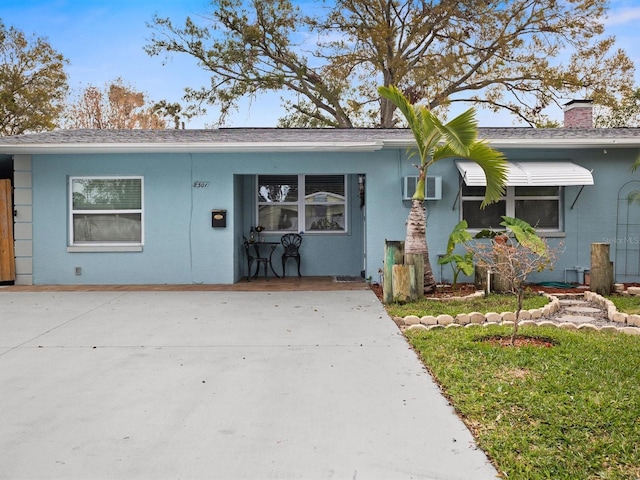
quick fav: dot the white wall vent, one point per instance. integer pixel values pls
(433, 187)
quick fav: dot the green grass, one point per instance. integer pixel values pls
(571, 411)
(626, 304)
(493, 303)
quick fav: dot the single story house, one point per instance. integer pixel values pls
(173, 206)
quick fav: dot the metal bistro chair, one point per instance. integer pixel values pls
(291, 243)
(251, 259)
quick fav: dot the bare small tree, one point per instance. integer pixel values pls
(513, 255)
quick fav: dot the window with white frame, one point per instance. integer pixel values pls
(302, 203)
(106, 210)
(538, 206)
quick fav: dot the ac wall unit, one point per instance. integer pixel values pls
(433, 187)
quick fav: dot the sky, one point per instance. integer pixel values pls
(104, 40)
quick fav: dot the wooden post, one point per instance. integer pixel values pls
(403, 279)
(601, 269)
(393, 255)
(417, 260)
(7, 256)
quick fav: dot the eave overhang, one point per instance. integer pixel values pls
(187, 147)
(542, 143)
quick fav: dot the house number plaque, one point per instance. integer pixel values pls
(200, 184)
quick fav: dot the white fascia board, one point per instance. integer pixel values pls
(186, 147)
(567, 143)
(546, 143)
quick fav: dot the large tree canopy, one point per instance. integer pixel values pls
(514, 55)
(33, 83)
(119, 106)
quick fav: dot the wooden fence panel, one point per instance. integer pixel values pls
(7, 255)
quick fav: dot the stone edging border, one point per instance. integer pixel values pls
(629, 324)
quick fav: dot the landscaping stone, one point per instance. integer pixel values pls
(633, 320)
(444, 319)
(524, 315)
(633, 290)
(575, 319)
(546, 323)
(535, 313)
(630, 330)
(587, 326)
(429, 320)
(619, 317)
(528, 323)
(411, 320)
(570, 312)
(568, 326)
(417, 327)
(609, 328)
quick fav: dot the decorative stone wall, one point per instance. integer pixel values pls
(623, 323)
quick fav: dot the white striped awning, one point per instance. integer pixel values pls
(530, 174)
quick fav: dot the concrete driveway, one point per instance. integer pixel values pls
(219, 385)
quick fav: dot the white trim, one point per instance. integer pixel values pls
(301, 204)
(103, 248)
(530, 174)
(539, 143)
(190, 147)
(97, 246)
(220, 146)
(510, 198)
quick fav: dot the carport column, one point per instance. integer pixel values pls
(23, 226)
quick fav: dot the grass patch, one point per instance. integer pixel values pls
(565, 412)
(493, 303)
(627, 304)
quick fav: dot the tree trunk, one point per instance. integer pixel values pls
(601, 269)
(416, 243)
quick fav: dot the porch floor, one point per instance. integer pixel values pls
(259, 284)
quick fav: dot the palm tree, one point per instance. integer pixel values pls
(437, 141)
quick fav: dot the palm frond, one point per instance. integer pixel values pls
(636, 164)
(413, 115)
(495, 170)
(462, 131)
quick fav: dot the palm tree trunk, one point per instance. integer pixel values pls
(416, 242)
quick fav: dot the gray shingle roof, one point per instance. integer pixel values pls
(246, 137)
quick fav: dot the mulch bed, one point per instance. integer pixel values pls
(464, 289)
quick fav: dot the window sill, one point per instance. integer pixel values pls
(540, 233)
(103, 248)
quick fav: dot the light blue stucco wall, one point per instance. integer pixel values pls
(180, 245)
(592, 219)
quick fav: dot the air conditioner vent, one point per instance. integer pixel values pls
(433, 187)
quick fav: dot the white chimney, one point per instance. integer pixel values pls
(578, 114)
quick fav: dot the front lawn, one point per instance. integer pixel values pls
(570, 411)
(627, 304)
(493, 303)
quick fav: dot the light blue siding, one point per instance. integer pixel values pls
(180, 245)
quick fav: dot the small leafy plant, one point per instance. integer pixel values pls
(459, 263)
(520, 252)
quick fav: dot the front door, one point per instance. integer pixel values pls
(7, 256)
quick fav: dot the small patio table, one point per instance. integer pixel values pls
(272, 246)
